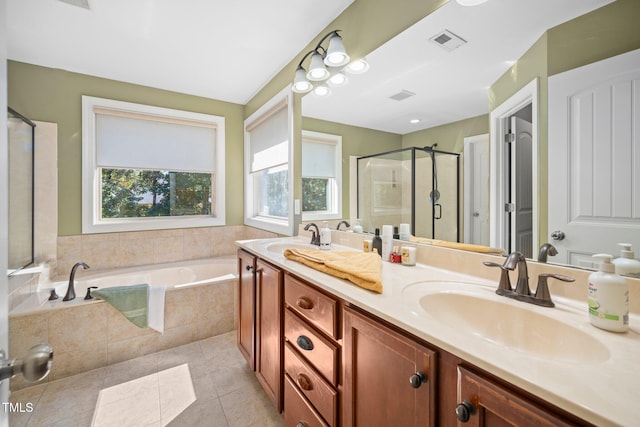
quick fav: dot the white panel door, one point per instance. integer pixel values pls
(594, 158)
(476, 190)
(522, 187)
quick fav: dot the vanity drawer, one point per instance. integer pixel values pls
(316, 349)
(322, 396)
(298, 412)
(319, 309)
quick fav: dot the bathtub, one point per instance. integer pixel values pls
(87, 334)
(172, 276)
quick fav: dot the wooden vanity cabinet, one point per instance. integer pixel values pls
(260, 332)
(246, 295)
(312, 355)
(389, 378)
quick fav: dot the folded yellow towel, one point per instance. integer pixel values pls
(361, 268)
(457, 245)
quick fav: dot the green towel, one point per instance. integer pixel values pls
(131, 301)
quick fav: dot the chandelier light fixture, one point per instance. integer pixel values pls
(328, 67)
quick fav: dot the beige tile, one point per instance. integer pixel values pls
(27, 398)
(246, 407)
(130, 370)
(131, 348)
(181, 307)
(120, 328)
(79, 328)
(69, 252)
(168, 249)
(72, 363)
(101, 254)
(190, 353)
(129, 390)
(27, 331)
(53, 407)
(219, 324)
(176, 391)
(134, 252)
(177, 336)
(196, 414)
(125, 412)
(197, 243)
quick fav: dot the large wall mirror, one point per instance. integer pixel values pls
(438, 73)
(21, 140)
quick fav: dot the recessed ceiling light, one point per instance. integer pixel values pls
(414, 121)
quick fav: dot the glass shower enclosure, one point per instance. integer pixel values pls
(415, 186)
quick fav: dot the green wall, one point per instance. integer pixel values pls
(356, 141)
(53, 95)
(600, 34)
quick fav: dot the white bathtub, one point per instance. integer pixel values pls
(171, 275)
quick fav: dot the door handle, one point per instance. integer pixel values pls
(35, 366)
(558, 235)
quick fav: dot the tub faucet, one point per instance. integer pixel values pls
(346, 223)
(546, 250)
(315, 235)
(71, 292)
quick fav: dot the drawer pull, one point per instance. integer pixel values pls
(304, 382)
(304, 343)
(304, 303)
(417, 379)
(464, 411)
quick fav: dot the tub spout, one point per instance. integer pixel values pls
(71, 292)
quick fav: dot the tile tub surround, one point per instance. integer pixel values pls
(226, 391)
(93, 335)
(129, 249)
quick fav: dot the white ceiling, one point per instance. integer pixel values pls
(221, 49)
(449, 86)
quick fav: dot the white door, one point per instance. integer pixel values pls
(594, 158)
(476, 189)
(521, 187)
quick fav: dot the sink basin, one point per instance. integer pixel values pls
(477, 311)
(280, 247)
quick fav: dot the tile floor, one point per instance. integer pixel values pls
(206, 383)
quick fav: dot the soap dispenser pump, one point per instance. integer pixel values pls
(608, 297)
(627, 265)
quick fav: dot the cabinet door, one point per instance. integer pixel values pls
(269, 342)
(246, 306)
(389, 379)
(485, 403)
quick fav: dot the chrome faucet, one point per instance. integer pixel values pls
(545, 250)
(315, 235)
(346, 223)
(71, 292)
(522, 291)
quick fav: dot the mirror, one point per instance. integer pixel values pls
(417, 85)
(21, 140)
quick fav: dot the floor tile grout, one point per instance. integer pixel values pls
(220, 372)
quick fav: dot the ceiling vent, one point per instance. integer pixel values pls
(80, 3)
(447, 40)
(402, 95)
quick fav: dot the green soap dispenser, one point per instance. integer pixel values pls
(608, 297)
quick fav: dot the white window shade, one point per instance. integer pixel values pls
(136, 143)
(270, 141)
(318, 159)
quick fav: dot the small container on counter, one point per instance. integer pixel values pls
(408, 255)
(367, 245)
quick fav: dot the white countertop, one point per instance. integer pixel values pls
(603, 391)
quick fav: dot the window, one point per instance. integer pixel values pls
(268, 173)
(321, 176)
(148, 168)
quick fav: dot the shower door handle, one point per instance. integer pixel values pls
(437, 208)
